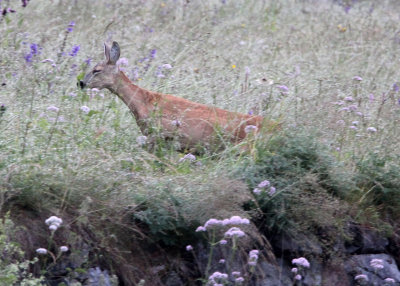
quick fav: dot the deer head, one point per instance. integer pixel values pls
(103, 75)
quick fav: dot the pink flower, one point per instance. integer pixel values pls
(361, 276)
(264, 184)
(301, 261)
(200, 228)
(85, 109)
(357, 78)
(212, 222)
(234, 232)
(297, 277)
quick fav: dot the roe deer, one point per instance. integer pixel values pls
(192, 124)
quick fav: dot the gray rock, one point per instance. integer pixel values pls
(361, 264)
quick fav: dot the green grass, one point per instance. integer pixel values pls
(89, 169)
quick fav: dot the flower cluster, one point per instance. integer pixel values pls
(264, 186)
(75, 50)
(283, 89)
(233, 221)
(85, 109)
(389, 280)
(301, 262)
(34, 50)
(217, 278)
(376, 263)
(234, 232)
(141, 140)
(361, 277)
(70, 27)
(188, 157)
(54, 222)
(250, 128)
(253, 257)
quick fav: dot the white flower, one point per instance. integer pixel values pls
(250, 128)
(176, 123)
(41, 250)
(297, 277)
(294, 270)
(257, 191)
(189, 248)
(141, 140)
(371, 129)
(85, 109)
(53, 222)
(221, 261)
(390, 280)
(63, 248)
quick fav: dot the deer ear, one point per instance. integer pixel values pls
(114, 53)
(107, 52)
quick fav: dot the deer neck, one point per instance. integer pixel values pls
(137, 99)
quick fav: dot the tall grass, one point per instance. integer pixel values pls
(331, 73)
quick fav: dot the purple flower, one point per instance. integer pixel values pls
(234, 232)
(297, 277)
(264, 184)
(87, 61)
(257, 191)
(153, 53)
(70, 27)
(223, 242)
(361, 276)
(272, 191)
(85, 109)
(34, 49)
(28, 58)
(53, 108)
(74, 51)
(283, 88)
(189, 248)
(250, 128)
(371, 129)
(212, 222)
(200, 228)
(357, 78)
(122, 62)
(396, 87)
(24, 3)
(188, 157)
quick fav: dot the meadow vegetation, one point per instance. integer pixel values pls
(327, 70)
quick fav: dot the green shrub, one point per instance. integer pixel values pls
(307, 179)
(14, 269)
(378, 178)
